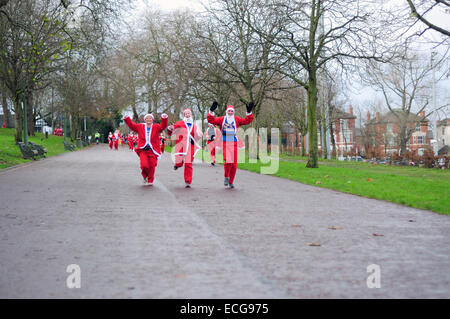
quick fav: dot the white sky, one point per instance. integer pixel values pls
(169, 5)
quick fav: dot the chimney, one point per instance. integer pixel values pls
(350, 109)
(377, 117)
(368, 116)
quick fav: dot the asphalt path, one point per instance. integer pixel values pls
(266, 238)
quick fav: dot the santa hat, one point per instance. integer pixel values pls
(229, 107)
(186, 109)
(147, 115)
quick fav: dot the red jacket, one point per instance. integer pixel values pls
(154, 136)
(182, 147)
(238, 122)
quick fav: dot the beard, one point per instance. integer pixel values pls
(230, 119)
(188, 119)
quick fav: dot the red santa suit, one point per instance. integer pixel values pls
(186, 146)
(110, 140)
(213, 141)
(130, 141)
(163, 142)
(148, 146)
(116, 138)
(230, 140)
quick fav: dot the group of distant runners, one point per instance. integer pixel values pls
(149, 143)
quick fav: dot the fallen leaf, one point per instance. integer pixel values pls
(377, 234)
(369, 180)
(296, 225)
(335, 227)
(411, 220)
(326, 176)
(318, 182)
(313, 244)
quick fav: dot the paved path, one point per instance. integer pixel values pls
(132, 241)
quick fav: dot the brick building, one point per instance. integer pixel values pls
(381, 136)
(443, 133)
(343, 132)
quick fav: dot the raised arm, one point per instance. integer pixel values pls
(249, 116)
(164, 122)
(210, 116)
(133, 126)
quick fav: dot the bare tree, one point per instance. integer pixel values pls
(426, 6)
(313, 33)
(243, 55)
(405, 85)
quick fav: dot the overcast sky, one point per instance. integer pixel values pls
(358, 96)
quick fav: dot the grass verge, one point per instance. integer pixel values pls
(10, 154)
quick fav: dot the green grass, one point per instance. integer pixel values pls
(411, 186)
(10, 154)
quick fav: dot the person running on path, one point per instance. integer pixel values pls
(110, 140)
(148, 147)
(116, 138)
(97, 137)
(162, 138)
(229, 125)
(186, 145)
(130, 141)
(212, 140)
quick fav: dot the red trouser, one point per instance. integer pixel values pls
(187, 160)
(212, 150)
(116, 144)
(148, 164)
(230, 155)
(110, 144)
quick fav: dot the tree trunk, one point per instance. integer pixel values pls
(324, 134)
(18, 118)
(333, 141)
(30, 117)
(313, 161)
(6, 112)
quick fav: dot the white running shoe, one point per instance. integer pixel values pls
(145, 181)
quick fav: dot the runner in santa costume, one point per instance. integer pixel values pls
(148, 148)
(229, 125)
(116, 139)
(130, 141)
(186, 146)
(110, 140)
(162, 138)
(212, 140)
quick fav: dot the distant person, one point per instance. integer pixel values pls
(110, 140)
(162, 139)
(97, 137)
(130, 141)
(116, 139)
(212, 140)
(148, 147)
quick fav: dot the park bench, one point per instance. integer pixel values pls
(69, 146)
(27, 151)
(39, 148)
